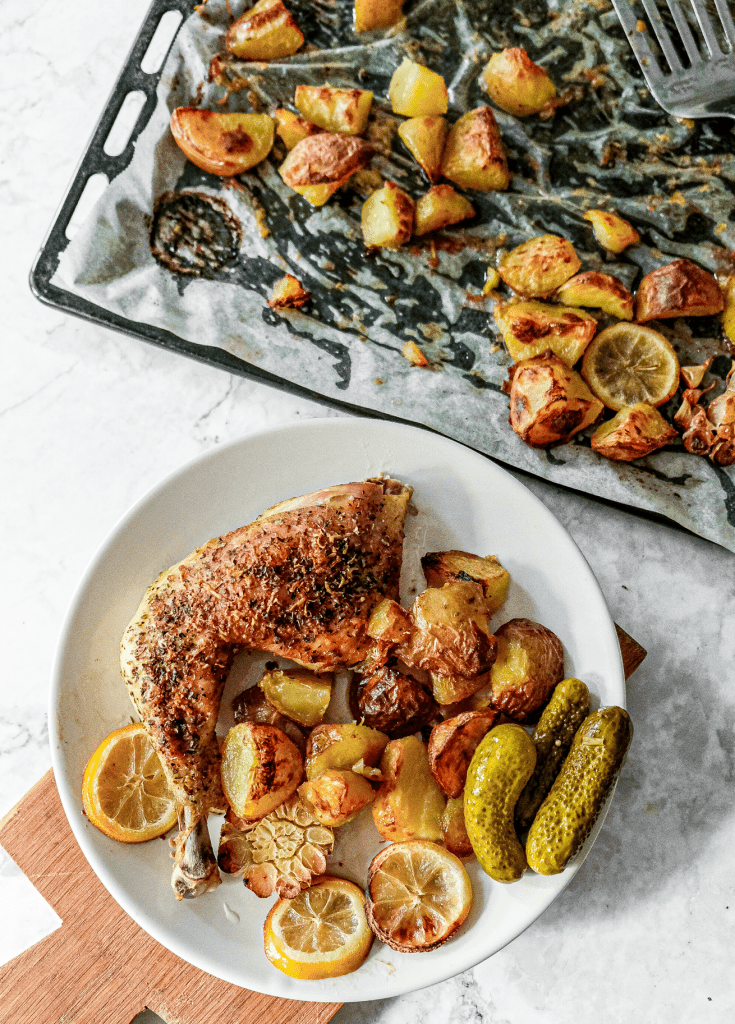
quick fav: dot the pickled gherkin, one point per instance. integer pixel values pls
(568, 813)
(553, 735)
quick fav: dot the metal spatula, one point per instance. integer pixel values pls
(699, 80)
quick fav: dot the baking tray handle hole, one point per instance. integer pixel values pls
(125, 122)
(93, 189)
(159, 45)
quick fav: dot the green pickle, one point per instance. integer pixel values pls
(578, 794)
(553, 735)
(500, 768)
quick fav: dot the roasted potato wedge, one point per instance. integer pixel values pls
(222, 144)
(387, 217)
(442, 567)
(424, 138)
(288, 293)
(292, 128)
(549, 403)
(416, 91)
(341, 747)
(680, 288)
(251, 706)
(474, 155)
(391, 701)
(516, 84)
(538, 267)
(319, 164)
(413, 354)
(530, 328)
(261, 768)
(335, 110)
(373, 14)
(409, 803)
(439, 208)
(265, 32)
(336, 797)
(389, 622)
(529, 664)
(454, 830)
(600, 291)
(611, 230)
(636, 431)
(298, 694)
(452, 744)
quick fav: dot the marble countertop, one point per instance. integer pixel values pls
(91, 419)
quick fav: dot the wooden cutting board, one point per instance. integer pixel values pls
(99, 967)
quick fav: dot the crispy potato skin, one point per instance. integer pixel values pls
(408, 803)
(439, 208)
(600, 291)
(538, 267)
(474, 156)
(636, 431)
(391, 701)
(288, 293)
(261, 768)
(265, 32)
(424, 137)
(611, 230)
(530, 328)
(325, 159)
(336, 796)
(529, 664)
(222, 144)
(335, 110)
(452, 744)
(516, 84)
(373, 14)
(454, 566)
(680, 288)
(549, 402)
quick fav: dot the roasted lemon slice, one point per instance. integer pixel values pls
(321, 933)
(125, 791)
(627, 363)
(418, 896)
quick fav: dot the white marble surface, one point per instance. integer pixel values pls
(90, 420)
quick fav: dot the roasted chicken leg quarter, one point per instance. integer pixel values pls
(299, 582)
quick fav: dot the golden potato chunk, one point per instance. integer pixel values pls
(442, 567)
(336, 797)
(288, 293)
(265, 32)
(611, 230)
(416, 91)
(529, 664)
(600, 291)
(529, 328)
(292, 128)
(549, 403)
(680, 288)
(387, 217)
(373, 14)
(335, 110)
(439, 208)
(342, 747)
(261, 768)
(298, 694)
(728, 315)
(454, 830)
(636, 431)
(474, 155)
(452, 744)
(516, 84)
(413, 353)
(389, 622)
(409, 803)
(539, 266)
(424, 137)
(391, 701)
(319, 164)
(223, 144)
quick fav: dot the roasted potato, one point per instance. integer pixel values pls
(265, 32)
(516, 84)
(600, 291)
(413, 354)
(373, 14)
(728, 315)
(529, 664)
(442, 567)
(439, 208)
(416, 91)
(292, 128)
(636, 431)
(288, 293)
(549, 403)
(319, 164)
(261, 768)
(387, 217)
(424, 137)
(451, 635)
(530, 328)
(298, 694)
(454, 830)
(391, 701)
(222, 144)
(409, 803)
(680, 288)
(538, 267)
(336, 797)
(342, 747)
(452, 744)
(335, 110)
(611, 230)
(389, 622)
(251, 706)
(474, 155)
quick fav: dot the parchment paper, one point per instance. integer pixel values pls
(610, 147)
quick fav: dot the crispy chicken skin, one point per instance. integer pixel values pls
(300, 582)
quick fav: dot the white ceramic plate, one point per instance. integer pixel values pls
(463, 501)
